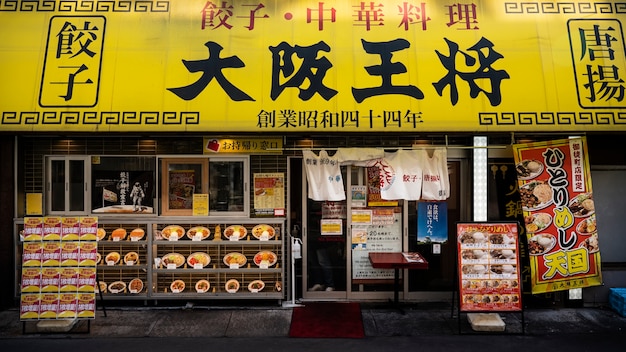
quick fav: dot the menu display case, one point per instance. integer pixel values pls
(227, 260)
(188, 259)
(123, 260)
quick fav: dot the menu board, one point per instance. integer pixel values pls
(59, 271)
(488, 267)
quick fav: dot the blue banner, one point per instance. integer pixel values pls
(432, 222)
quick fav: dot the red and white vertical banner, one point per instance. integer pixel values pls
(554, 182)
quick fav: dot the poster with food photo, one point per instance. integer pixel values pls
(489, 267)
(181, 189)
(269, 192)
(554, 182)
(57, 269)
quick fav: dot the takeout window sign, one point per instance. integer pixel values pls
(249, 145)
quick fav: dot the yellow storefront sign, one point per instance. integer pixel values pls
(311, 66)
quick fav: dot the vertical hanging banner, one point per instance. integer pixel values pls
(432, 222)
(374, 198)
(554, 182)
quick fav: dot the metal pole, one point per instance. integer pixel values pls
(293, 303)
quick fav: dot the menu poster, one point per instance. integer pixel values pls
(358, 196)
(269, 192)
(488, 267)
(58, 272)
(182, 187)
(554, 182)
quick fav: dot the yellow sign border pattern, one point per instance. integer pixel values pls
(83, 6)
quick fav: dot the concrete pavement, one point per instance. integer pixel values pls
(431, 325)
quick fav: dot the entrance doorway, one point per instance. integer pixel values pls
(335, 243)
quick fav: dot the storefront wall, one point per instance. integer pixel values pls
(435, 284)
(7, 209)
(147, 82)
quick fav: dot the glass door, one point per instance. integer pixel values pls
(324, 237)
(376, 225)
(347, 231)
(325, 246)
(338, 235)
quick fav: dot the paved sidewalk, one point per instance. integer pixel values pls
(424, 319)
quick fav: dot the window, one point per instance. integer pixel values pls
(224, 179)
(228, 186)
(67, 186)
(181, 179)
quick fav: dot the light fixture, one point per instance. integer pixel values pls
(480, 178)
(304, 143)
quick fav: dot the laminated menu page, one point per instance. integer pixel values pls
(488, 267)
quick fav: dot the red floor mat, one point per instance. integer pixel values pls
(322, 319)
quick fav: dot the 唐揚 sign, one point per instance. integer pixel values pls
(311, 66)
(557, 199)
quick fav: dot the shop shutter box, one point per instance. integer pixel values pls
(617, 300)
